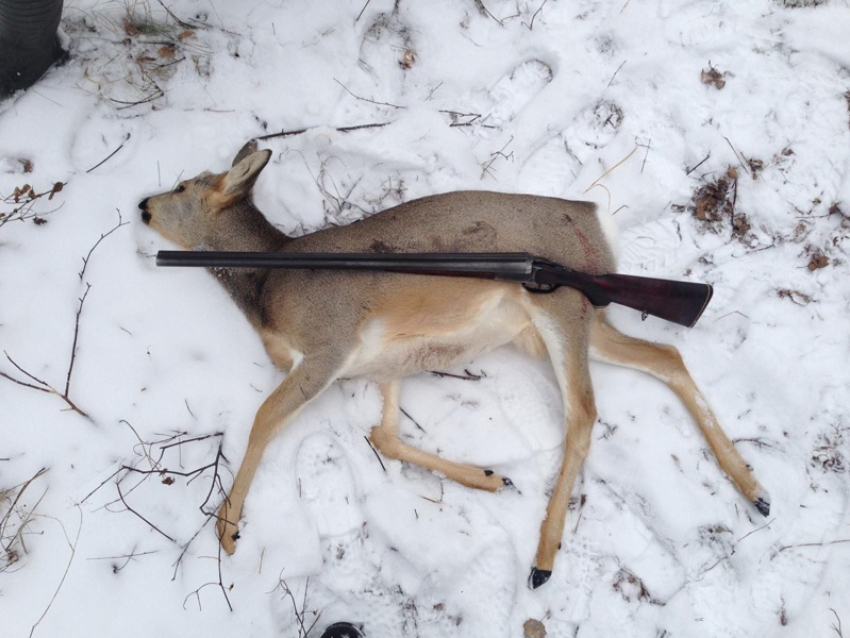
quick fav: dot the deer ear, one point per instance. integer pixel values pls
(240, 179)
(245, 151)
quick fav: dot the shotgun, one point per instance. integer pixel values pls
(680, 302)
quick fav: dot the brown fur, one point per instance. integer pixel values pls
(321, 326)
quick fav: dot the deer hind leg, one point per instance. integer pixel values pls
(301, 386)
(385, 438)
(565, 337)
(665, 363)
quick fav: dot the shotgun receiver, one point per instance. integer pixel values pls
(681, 302)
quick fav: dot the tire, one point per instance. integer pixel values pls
(28, 41)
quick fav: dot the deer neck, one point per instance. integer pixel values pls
(247, 230)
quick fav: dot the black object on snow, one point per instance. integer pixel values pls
(28, 42)
(342, 630)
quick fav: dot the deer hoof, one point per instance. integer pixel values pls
(227, 535)
(538, 577)
(762, 504)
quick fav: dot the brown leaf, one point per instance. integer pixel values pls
(27, 165)
(129, 29)
(39, 221)
(712, 76)
(740, 225)
(21, 191)
(533, 628)
(188, 33)
(57, 187)
(166, 51)
(756, 166)
(818, 260)
(168, 480)
(408, 59)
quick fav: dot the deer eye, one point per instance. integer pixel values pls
(180, 188)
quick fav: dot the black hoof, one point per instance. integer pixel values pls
(507, 482)
(488, 472)
(538, 577)
(763, 506)
(342, 630)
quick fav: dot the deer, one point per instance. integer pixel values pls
(319, 327)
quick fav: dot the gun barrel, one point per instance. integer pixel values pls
(506, 266)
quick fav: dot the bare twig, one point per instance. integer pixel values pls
(300, 613)
(362, 11)
(738, 156)
(130, 509)
(837, 628)
(43, 386)
(615, 74)
(12, 532)
(74, 344)
(823, 544)
(486, 12)
(467, 376)
(494, 156)
(342, 129)
(127, 558)
(766, 525)
(377, 456)
(182, 23)
(646, 157)
(109, 157)
(703, 161)
(46, 387)
(73, 547)
(414, 421)
(534, 17)
(365, 99)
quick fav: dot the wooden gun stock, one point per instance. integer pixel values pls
(681, 302)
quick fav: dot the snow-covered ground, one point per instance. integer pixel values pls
(722, 130)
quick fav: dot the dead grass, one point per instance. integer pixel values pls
(15, 518)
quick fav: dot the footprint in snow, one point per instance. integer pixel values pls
(788, 576)
(510, 94)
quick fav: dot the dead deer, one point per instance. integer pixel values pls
(320, 326)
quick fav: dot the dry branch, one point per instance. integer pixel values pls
(40, 384)
(12, 531)
(73, 547)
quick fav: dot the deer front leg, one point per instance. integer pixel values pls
(385, 438)
(301, 386)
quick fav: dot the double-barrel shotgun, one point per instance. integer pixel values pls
(681, 302)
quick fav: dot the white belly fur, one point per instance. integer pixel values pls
(382, 356)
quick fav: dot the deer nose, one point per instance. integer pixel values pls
(143, 206)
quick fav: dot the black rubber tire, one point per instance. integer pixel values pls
(28, 41)
(343, 630)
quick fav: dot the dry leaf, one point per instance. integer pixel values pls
(818, 260)
(712, 76)
(129, 29)
(408, 59)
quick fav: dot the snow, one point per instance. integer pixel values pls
(551, 95)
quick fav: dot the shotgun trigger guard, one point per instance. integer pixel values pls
(540, 289)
